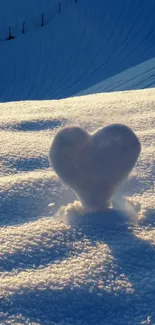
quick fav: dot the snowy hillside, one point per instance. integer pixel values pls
(87, 43)
(59, 265)
(139, 77)
(15, 12)
(54, 273)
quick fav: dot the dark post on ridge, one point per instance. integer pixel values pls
(42, 20)
(10, 35)
(23, 28)
(59, 7)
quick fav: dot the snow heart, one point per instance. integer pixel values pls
(94, 165)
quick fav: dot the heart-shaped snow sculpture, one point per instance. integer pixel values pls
(94, 165)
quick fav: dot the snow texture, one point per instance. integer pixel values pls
(95, 268)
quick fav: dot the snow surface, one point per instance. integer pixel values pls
(101, 271)
(89, 42)
(139, 77)
(96, 268)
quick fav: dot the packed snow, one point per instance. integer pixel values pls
(59, 263)
(85, 161)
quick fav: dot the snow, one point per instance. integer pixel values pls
(85, 161)
(30, 12)
(139, 77)
(87, 43)
(98, 271)
(96, 268)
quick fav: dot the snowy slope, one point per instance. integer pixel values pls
(52, 273)
(13, 13)
(139, 77)
(84, 45)
(101, 270)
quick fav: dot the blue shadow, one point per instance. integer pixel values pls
(86, 303)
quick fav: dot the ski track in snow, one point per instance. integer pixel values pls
(99, 271)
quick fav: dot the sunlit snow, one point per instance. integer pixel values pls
(100, 269)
